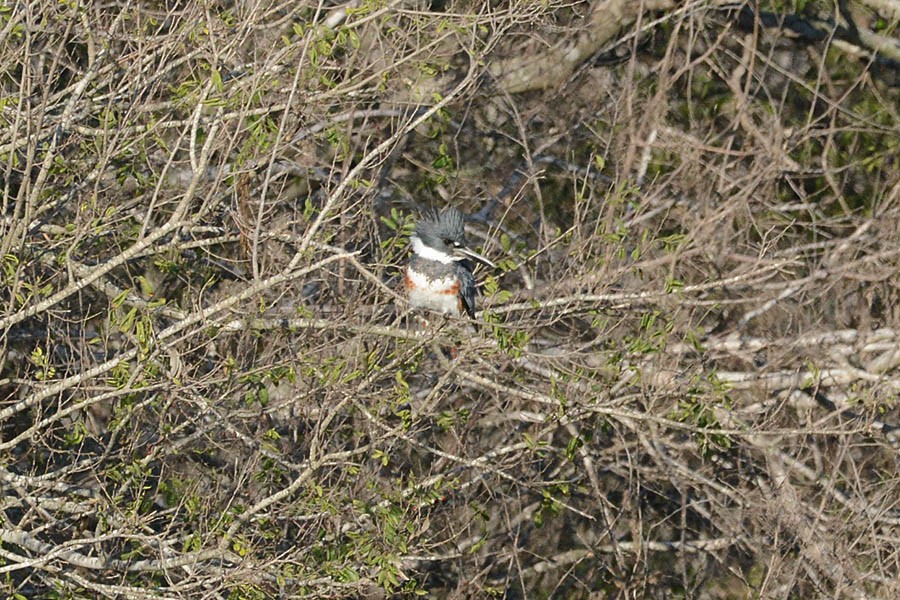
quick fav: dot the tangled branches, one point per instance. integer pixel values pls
(684, 371)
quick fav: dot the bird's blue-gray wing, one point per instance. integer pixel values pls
(466, 289)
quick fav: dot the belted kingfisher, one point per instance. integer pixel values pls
(438, 276)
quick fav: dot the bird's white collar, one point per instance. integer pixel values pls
(429, 253)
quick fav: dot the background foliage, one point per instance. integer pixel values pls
(685, 379)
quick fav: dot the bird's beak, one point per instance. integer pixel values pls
(462, 253)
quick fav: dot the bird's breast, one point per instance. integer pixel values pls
(440, 293)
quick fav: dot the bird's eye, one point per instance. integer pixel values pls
(448, 242)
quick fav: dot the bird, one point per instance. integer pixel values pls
(439, 277)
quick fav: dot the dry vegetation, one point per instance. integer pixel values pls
(685, 380)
